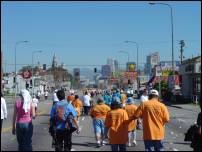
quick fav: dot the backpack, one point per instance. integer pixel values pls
(70, 126)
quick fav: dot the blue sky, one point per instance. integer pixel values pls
(87, 33)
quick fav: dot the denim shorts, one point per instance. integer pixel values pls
(98, 125)
(153, 145)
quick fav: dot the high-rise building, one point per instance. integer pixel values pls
(106, 71)
(152, 60)
(113, 65)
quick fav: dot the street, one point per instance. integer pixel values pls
(181, 117)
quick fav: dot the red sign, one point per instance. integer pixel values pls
(131, 75)
(26, 74)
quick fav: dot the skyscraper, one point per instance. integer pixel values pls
(152, 60)
(54, 62)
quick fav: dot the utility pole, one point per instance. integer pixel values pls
(182, 45)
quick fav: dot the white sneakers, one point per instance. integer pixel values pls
(134, 142)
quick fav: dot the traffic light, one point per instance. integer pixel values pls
(95, 70)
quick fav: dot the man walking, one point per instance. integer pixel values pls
(86, 103)
(154, 115)
(98, 113)
(59, 114)
(117, 123)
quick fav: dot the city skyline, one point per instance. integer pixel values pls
(88, 33)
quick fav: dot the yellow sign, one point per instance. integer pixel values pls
(131, 66)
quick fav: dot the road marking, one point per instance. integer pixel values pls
(83, 119)
(6, 129)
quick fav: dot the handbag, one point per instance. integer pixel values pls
(70, 125)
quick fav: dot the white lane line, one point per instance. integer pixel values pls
(83, 119)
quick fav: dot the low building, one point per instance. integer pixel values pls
(190, 70)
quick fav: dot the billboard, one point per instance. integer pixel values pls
(131, 66)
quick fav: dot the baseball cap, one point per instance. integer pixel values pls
(154, 92)
(129, 100)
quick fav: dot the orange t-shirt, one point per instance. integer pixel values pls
(130, 109)
(99, 111)
(154, 115)
(117, 122)
(77, 105)
(123, 98)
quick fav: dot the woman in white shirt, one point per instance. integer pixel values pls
(35, 102)
(3, 110)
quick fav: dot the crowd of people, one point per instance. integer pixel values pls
(114, 114)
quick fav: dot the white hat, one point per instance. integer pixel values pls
(154, 92)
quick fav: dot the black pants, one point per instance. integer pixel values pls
(86, 109)
(1, 123)
(63, 140)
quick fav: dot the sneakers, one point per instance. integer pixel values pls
(104, 142)
(135, 142)
(129, 144)
(98, 144)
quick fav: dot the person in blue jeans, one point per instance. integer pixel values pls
(22, 121)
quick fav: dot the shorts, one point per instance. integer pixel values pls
(98, 125)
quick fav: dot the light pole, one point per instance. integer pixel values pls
(15, 65)
(171, 13)
(126, 53)
(33, 69)
(137, 61)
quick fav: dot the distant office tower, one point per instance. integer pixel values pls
(106, 71)
(54, 62)
(113, 65)
(152, 60)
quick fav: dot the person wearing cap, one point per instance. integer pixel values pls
(22, 121)
(130, 109)
(117, 123)
(98, 114)
(154, 115)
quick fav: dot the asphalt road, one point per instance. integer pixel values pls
(182, 116)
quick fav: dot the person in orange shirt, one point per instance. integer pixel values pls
(123, 98)
(77, 104)
(98, 113)
(70, 98)
(117, 123)
(130, 109)
(154, 115)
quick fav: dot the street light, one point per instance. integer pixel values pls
(33, 70)
(15, 64)
(126, 53)
(137, 61)
(171, 11)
